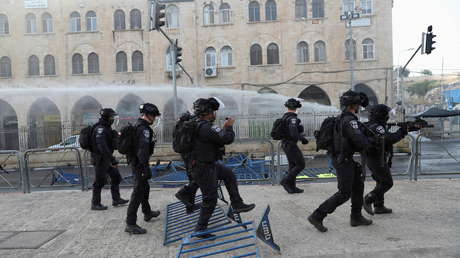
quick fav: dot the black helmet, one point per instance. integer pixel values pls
(107, 113)
(213, 104)
(379, 112)
(354, 98)
(293, 104)
(202, 107)
(149, 109)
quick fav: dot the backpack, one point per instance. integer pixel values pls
(278, 129)
(184, 134)
(86, 138)
(127, 140)
(325, 135)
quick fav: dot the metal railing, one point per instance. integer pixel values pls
(11, 171)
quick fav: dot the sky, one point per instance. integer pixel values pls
(411, 18)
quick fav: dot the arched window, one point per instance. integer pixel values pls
(348, 5)
(34, 66)
(273, 54)
(208, 14)
(50, 65)
(256, 54)
(47, 23)
(210, 57)
(226, 57)
(93, 63)
(366, 6)
(318, 9)
(368, 49)
(4, 27)
(77, 64)
(75, 22)
(302, 53)
(225, 13)
(119, 20)
(349, 48)
(270, 10)
(320, 51)
(31, 23)
(172, 17)
(254, 11)
(138, 61)
(301, 9)
(135, 19)
(122, 62)
(5, 67)
(91, 21)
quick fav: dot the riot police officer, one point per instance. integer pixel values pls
(294, 132)
(104, 162)
(348, 139)
(145, 144)
(206, 170)
(379, 157)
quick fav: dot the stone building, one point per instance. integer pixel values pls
(290, 47)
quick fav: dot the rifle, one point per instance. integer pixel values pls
(411, 126)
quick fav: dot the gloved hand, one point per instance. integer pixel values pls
(304, 141)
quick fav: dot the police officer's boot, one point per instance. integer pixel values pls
(96, 201)
(367, 205)
(296, 189)
(200, 228)
(239, 207)
(316, 219)
(184, 196)
(98, 207)
(135, 229)
(287, 185)
(119, 202)
(116, 199)
(152, 214)
(359, 220)
(382, 210)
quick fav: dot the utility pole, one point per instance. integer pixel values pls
(349, 16)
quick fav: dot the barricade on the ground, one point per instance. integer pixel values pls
(53, 168)
(11, 171)
(178, 223)
(235, 241)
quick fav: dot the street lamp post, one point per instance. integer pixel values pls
(349, 16)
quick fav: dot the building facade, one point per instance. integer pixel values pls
(295, 48)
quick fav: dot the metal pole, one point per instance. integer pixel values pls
(173, 64)
(351, 52)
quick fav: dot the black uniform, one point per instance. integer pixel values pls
(378, 161)
(348, 139)
(141, 171)
(206, 171)
(294, 133)
(103, 160)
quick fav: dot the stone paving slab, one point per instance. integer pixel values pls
(425, 223)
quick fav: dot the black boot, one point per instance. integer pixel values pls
(239, 207)
(183, 195)
(199, 229)
(135, 229)
(287, 185)
(317, 221)
(367, 205)
(98, 207)
(119, 202)
(382, 210)
(296, 189)
(359, 220)
(152, 214)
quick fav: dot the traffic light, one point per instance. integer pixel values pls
(178, 54)
(429, 40)
(157, 15)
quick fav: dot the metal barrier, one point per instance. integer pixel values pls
(11, 171)
(60, 172)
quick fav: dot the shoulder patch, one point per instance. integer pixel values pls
(216, 129)
(354, 124)
(380, 129)
(100, 130)
(294, 120)
(147, 133)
